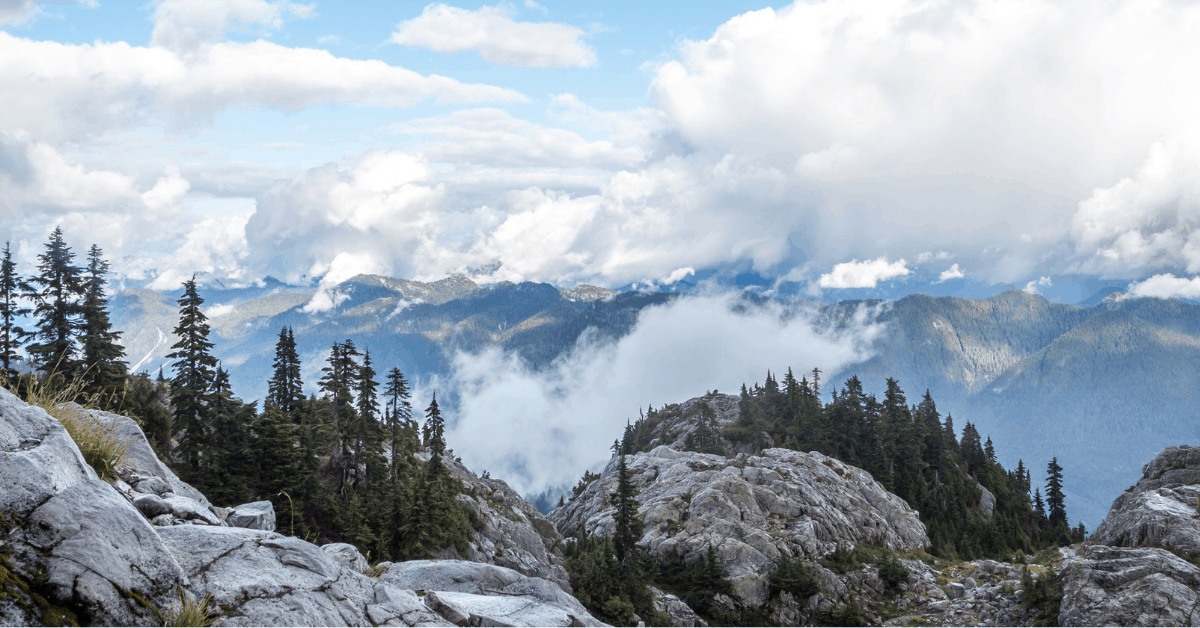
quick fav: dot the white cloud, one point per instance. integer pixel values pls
(864, 274)
(1148, 220)
(950, 273)
(1166, 286)
(1035, 286)
(928, 255)
(498, 38)
(18, 11)
(493, 136)
(965, 124)
(67, 92)
(344, 266)
(542, 429)
(186, 25)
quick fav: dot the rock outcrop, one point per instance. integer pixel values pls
(1139, 567)
(75, 548)
(750, 509)
(514, 534)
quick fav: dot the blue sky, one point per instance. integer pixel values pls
(831, 150)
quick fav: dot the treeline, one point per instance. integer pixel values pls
(351, 465)
(909, 449)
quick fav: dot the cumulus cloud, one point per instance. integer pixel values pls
(1166, 286)
(498, 38)
(954, 272)
(185, 25)
(1148, 220)
(864, 274)
(963, 123)
(541, 430)
(67, 92)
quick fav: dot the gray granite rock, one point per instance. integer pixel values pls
(151, 505)
(189, 509)
(750, 509)
(78, 536)
(255, 515)
(1122, 586)
(347, 556)
(677, 611)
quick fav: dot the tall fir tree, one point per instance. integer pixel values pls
(401, 437)
(628, 524)
(435, 427)
(11, 334)
(338, 384)
(194, 374)
(285, 390)
(1055, 501)
(56, 292)
(104, 370)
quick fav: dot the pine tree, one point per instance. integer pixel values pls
(10, 334)
(56, 292)
(193, 379)
(285, 390)
(279, 464)
(628, 524)
(399, 417)
(435, 428)
(229, 469)
(337, 383)
(1055, 501)
(103, 367)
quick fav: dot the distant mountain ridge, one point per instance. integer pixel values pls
(1102, 387)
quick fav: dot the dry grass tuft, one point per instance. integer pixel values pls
(98, 443)
(190, 612)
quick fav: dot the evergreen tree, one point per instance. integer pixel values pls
(628, 524)
(285, 390)
(435, 428)
(56, 292)
(401, 438)
(229, 469)
(103, 367)
(1055, 502)
(279, 464)
(338, 383)
(10, 334)
(193, 379)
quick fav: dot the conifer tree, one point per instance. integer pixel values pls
(10, 334)
(628, 524)
(56, 292)
(229, 469)
(103, 367)
(338, 383)
(435, 427)
(399, 417)
(1057, 512)
(285, 390)
(279, 464)
(191, 386)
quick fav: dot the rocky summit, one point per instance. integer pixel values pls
(1139, 568)
(750, 509)
(78, 549)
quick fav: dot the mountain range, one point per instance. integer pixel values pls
(1102, 387)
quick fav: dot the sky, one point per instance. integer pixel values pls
(830, 147)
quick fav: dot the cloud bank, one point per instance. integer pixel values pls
(541, 430)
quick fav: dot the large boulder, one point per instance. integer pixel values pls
(488, 595)
(69, 535)
(255, 515)
(750, 509)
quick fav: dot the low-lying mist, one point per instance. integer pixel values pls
(541, 430)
